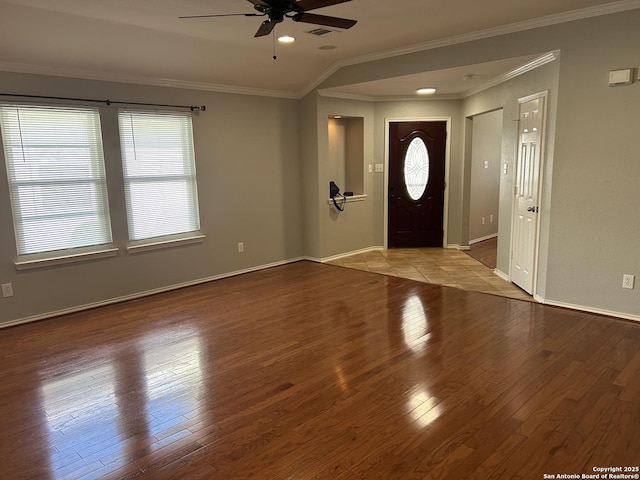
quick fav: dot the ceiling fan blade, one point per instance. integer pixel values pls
(225, 15)
(324, 20)
(265, 29)
(306, 5)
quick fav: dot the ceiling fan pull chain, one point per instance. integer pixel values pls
(273, 35)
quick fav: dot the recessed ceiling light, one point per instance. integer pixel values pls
(426, 91)
(286, 39)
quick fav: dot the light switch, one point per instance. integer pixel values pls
(620, 77)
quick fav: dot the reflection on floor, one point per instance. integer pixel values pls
(441, 266)
(486, 252)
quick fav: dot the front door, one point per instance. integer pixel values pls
(416, 184)
(525, 222)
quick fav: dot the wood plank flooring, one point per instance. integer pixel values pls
(486, 252)
(310, 371)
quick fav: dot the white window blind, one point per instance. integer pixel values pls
(159, 173)
(55, 168)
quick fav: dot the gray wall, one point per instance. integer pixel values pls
(351, 230)
(439, 109)
(505, 97)
(263, 173)
(594, 229)
(249, 185)
(589, 228)
(486, 156)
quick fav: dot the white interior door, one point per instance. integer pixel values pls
(525, 222)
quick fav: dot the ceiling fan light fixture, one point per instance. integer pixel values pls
(286, 39)
(426, 91)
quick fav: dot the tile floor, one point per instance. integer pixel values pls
(441, 266)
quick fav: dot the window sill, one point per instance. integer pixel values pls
(40, 261)
(147, 246)
(353, 198)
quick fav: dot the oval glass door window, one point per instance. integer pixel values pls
(416, 168)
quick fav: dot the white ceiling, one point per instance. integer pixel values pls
(143, 41)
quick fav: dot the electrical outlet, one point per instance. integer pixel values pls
(483, 220)
(7, 290)
(379, 167)
(240, 247)
(628, 281)
(490, 218)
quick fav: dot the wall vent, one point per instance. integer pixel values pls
(320, 32)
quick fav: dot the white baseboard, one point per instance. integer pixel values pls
(455, 246)
(146, 293)
(482, 239)
(582, 308)
(502, 275)
(342, 255)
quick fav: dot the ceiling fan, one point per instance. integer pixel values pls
(277, 10)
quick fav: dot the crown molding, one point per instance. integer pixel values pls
(416, 98)
(326, 74)
(505, 77)
(142, 80)
(613, 7)
(583, 13)
(387, 98)
(516, 72)
(346, 96)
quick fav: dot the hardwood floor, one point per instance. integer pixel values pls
(486, 252)
(310, 371)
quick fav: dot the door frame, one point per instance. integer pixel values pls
(541, 169)
(445, 217)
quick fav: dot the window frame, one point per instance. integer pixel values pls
(138, 243)
(96, 181)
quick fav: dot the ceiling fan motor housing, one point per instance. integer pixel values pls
(276, 9)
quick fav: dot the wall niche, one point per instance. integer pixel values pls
(346, 153)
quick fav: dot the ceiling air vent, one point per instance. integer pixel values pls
(320, 32)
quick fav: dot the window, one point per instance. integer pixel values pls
(55, 168)
(416, 168)
(159, 173)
